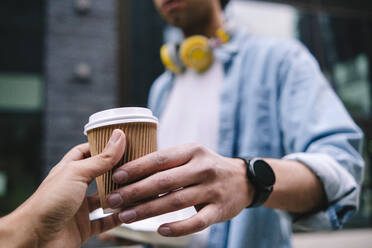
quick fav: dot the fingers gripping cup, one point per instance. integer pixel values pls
(139, 126)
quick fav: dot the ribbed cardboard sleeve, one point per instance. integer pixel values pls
(141, 139)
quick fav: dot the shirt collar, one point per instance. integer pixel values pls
(226, 52)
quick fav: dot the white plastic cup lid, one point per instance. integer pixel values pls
(119, 116)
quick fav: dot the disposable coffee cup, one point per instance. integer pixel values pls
(139, 126)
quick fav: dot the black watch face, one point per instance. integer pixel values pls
(264, 173)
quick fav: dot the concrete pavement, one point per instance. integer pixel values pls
(359, 238)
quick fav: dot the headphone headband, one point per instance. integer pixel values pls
(194, 52)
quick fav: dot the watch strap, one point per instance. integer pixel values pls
(260, 197)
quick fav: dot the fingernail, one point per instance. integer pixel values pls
(114, 200)
(165, 231)
(127, 216)
(120, 176)
(115, 136)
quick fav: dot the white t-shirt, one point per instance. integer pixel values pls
(192, 111)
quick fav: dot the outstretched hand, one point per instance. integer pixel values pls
(57, 214)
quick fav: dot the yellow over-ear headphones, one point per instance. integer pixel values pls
(195, 52)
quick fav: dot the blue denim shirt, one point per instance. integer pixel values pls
(275, 102)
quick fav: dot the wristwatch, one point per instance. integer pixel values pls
(262, 177)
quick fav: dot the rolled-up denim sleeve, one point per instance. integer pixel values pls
(341, 189)
(318, 131)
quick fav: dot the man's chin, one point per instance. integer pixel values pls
(177, 20)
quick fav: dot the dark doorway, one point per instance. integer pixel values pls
(140, 39)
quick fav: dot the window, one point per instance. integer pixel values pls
(21, 100)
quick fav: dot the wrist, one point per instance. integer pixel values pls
(17, 230)
(250, 190)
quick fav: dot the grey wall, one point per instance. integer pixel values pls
(72, 39)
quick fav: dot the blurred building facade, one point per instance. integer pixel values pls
(61, 61)
(80, 70)
(98, 56)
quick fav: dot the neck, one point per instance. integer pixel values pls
(207, 26)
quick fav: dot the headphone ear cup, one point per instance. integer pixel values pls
(169, 58)
(195, 53)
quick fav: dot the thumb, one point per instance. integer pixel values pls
(95, 166)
